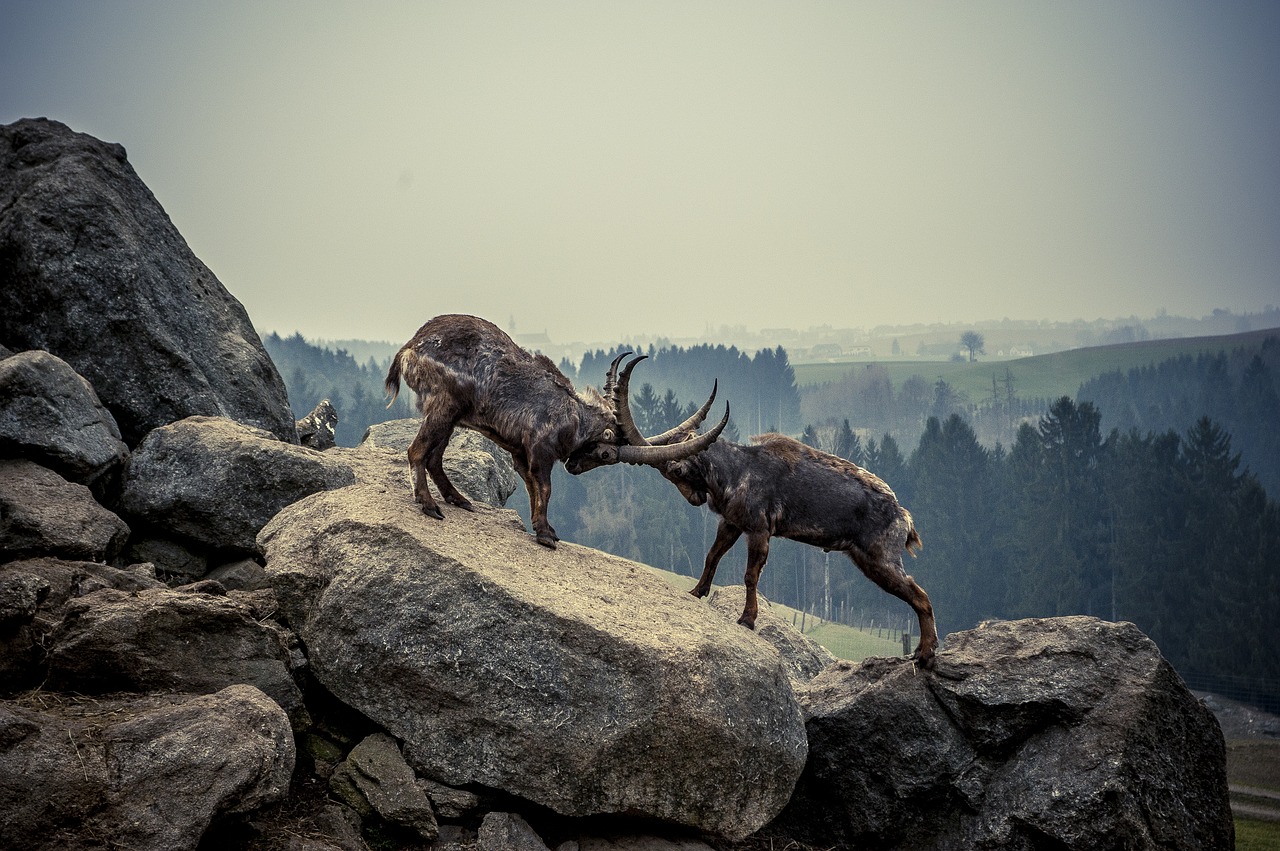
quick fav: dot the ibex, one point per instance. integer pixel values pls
(468, 372)
(779, 487)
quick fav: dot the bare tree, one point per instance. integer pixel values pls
(975, 343)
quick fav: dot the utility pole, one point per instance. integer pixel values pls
(826, 587)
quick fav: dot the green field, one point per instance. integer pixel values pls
(1040, 376)
(1256, 835)
(844, 642)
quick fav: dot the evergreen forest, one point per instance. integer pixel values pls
(1141, 499)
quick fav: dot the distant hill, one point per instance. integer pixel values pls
(1148, 386)
(1039, 376)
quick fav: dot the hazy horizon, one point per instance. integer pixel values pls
(610, 170)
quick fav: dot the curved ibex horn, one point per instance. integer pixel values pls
(654, 455)
(622, 405)
(611, 379)
(688, 426)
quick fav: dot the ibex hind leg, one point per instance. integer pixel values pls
(891, 576)
(425, 452)
(435, 466)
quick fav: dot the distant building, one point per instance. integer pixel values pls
(535, 342)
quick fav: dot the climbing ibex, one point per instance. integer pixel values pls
(780, 487)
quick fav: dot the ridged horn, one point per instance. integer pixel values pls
(688, 426)
(654, 455)
(611, 379)
(622, 405)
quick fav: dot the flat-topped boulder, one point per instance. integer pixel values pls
(574, 679)
(138, 771)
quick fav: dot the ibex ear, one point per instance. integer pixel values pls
(607, 436)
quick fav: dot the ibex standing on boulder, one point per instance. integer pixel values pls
(467, 372)
(782, 488)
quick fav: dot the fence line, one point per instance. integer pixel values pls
(1260, 692)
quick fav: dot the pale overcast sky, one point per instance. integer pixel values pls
(606, 169)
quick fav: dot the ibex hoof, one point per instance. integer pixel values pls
(548, 541)
(749, 623)
(462, 502)
(433, 511)
(924, 660)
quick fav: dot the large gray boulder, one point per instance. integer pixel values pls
(93, 270)
(570, 678)
(217, 482)
(149, 772)
(1055, 733)
(42, 514)
(50, 415)
(165, 640)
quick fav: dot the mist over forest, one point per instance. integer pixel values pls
(1147, 494)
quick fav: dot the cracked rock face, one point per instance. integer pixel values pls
(1047, 733)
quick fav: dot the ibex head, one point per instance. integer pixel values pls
(621, 441)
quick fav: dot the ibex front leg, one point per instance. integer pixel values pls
(726, 536)
(539, 483)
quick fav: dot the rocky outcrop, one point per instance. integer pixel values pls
(217, 482)
(94, 272)
(1055, 733)
(317, 429)
(32, 596)
(451, 685)
(573, 679)
(50, 415)
(147, 772)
